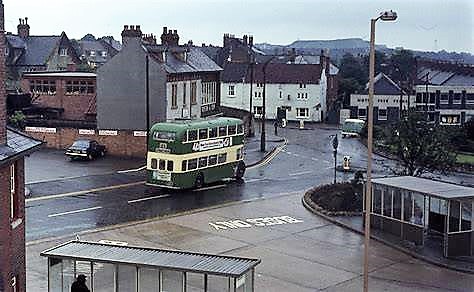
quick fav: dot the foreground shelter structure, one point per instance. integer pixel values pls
(115, 268)
(424, 211)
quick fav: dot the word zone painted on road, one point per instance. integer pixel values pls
(254, 222)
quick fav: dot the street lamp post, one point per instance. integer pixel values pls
(262, 137)
(385, 16)
(252, 63)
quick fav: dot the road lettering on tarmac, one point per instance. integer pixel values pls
(254, 222)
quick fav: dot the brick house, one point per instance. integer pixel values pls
(183, 82)
(27, 53)
(71, 95)
(13, 147)
(96, 52)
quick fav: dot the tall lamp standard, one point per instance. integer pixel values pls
(262, 137)
(385, 16)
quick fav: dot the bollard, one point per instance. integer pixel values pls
(301, 125)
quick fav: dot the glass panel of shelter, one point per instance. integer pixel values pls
(106, 277)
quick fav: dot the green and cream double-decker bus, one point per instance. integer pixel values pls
(187, 154)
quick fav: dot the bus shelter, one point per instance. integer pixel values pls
(417, 210)
(114, 268)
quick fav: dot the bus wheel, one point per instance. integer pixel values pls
(239, 173)
(199, 183)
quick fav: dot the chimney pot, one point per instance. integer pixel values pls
(175, 31)
(165, 30)
(132, 27)
(26, 20)
(137, 27)
(125, 27)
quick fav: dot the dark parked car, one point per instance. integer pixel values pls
(85, 148)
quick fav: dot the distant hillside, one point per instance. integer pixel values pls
(337, 48)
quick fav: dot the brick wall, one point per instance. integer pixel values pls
(75, 105)
(125, 144)
(12, 241)
(3, 97)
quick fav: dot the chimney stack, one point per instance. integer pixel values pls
(245, 39)
(251, 41)
(3, 95)
(23, 28)
(169, 37)
(130, 34)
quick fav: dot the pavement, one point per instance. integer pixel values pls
(310, 254)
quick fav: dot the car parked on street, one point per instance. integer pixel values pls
(85, 148)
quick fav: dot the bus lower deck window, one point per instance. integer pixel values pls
(192, 135)
(202, 134)
(203, 162)
(222, 131)
(183, 165)
(161, 164)
(154, 163)
(222, 158)
(232, 130)
(192, 164)
(169, 166)
(213, 160)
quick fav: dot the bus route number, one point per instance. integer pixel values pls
(254, 222)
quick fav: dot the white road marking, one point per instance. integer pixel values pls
(40, 198)
(300, 173)
(254, 180)
(75, 211)
(297, 155)
(289, 152)
(148, 198)
(314, 159)
(132, 170)
(209, 188)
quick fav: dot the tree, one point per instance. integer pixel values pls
(353, 77)
(380, 65)
(402, 65)
(421, 147)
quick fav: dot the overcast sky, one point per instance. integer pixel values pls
(422, 24)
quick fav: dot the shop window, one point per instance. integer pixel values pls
(450, 119)
(444, 98)
(362, 113)
(383, 114)
(457, 98)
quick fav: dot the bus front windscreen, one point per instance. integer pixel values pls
(164, 136)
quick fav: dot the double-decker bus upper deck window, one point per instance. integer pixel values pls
(222, 158)
(212, 132)
(222, 131)
(192, 164)
(164, 136)
(161, 164)
(232, 130)
(240, 129)
(183, 165)
(203, 134)
(154, 163)
(212, 160)
(169, 166)
(203, 162)
(192, 135)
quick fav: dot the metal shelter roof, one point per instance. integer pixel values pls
(158, 258)
(429, 187)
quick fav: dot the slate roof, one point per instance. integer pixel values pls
(196, 61)
(383, 85)
(287, 73)
(37, 48)
(234, 72)
(18, 144)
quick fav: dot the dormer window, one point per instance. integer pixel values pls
(104, 54)
(63, 51)
(92, 53)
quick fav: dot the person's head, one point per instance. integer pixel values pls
(81, 278)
